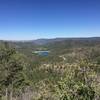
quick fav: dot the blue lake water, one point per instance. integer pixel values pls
(42, 53)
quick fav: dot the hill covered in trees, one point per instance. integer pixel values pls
(71, 71)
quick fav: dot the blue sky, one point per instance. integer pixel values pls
(32, 19)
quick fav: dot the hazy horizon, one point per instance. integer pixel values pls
(48, 38)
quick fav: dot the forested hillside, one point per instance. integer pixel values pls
(71, 71)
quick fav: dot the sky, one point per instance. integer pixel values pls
(33, 19)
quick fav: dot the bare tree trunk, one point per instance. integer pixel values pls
(11, 94)
(6, 93)
(24, 96)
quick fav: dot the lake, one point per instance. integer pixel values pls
(42, 53)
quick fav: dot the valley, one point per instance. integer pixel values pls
(54, 70)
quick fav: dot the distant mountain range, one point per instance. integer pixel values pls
(56, 45)
(47, 41)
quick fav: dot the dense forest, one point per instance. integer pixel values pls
(71, 71)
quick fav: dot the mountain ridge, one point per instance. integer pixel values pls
(43, 41)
